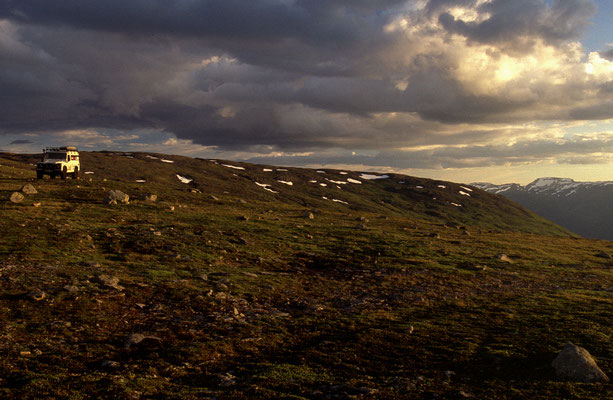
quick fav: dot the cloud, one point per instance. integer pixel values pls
(303, 76)
(504, 22)
(21, 141)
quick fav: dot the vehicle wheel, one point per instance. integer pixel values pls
(75, 174)
(64, 173)
(39, 175)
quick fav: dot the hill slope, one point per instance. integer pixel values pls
(236, 292)
(582, 207)
(342, 191)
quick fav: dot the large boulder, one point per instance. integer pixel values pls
(116, 197)
(575, 363)
(16, 197)
(28, 188)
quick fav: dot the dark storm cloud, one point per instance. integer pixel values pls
(319, 21)
(21, 141)
(509, 20)
(288, 74)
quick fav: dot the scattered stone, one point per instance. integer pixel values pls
(29, 189)
(242, 201)
(37, 295)
(464, 395)
(151, 198)
(604, 254)
(361, 226)
(142, 341)
(116, 196)
(109, 364)
(36, 205)
(16, 197)
(504, 258)
(171, 208)
(362, 219)
(194, 190)
(435, 235)
(243, 218)
(110, 281)
(410, 329)
(465, 233)
(575, 363)
(309, 215)
(91, 264)
(71, 289)
(226, 380)
(215, 198)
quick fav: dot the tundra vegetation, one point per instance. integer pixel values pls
(217, 279)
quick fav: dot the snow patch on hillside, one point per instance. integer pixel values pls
(183, 179)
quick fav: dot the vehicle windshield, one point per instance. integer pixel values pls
(54, 156)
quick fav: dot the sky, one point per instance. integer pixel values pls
(462, 90)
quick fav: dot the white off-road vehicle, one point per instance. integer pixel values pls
(59, 161)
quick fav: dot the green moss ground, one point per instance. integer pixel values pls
(291, 307)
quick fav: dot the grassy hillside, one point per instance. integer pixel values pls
(394, 290)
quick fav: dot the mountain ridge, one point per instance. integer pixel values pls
(582, 207)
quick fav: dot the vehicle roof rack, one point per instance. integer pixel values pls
(63, 148)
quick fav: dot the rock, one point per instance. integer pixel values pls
(116, 196)
(71, 289)
(504, 257)
(465, 233)
(227, 380)
(171, 208)
(362, 219)
(90, 264)
(37, 295)
(575, 363)
(109, 364)
(214, 198)
(309, 215)
(16, 197)
(243, 218)
(242, 201)
(194, 190)
(142, 341)
(361, 226)
(110, 281)
(29, 189)
(604, 254)
(151, 198)
(435, 235)
(36, 205)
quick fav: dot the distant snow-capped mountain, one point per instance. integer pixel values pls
(585, 208)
